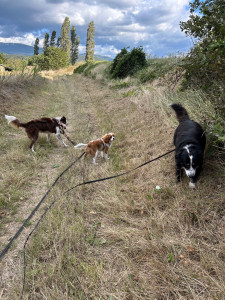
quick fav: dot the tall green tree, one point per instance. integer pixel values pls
(65, 38)
(75, 41)
(58, 43)
(90, 44)
(52, 40)
(46, 41)
(36, 47)
(206, 20)
(205, 63)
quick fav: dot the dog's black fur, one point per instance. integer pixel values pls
(46, 125)
(189, 141)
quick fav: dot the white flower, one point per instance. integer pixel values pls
(157, 187)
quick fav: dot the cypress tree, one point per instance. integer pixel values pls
(90, 45)
(52, 41)
(75, 41)
(65, 39)
(58, 43)
(46, 42)
(36, 48)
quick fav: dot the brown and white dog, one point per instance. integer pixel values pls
(46, 125)
(92, 148)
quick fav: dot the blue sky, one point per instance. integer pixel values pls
(153, 24)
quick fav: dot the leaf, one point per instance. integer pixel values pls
(96, 242)
(170, 258)
(190, 249)
(55, 166)
(102, 241)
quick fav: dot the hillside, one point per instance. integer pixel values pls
(139, 236)
(17, 49)
(25, 50)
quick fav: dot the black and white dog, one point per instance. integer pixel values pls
(189, 141)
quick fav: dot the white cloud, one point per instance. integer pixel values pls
(108, 50)
(27, 39)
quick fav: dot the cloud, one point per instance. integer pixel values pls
(118, 23)
(27, 39)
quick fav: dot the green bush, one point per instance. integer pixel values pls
(118, 57)
(128, 63)
(52, 59)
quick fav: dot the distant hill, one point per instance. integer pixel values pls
(17, 49)
(25, 50)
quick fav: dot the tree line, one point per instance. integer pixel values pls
(63, 51)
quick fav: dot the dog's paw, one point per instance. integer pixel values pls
(192, 185)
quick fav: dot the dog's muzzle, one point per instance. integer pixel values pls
(190, 173)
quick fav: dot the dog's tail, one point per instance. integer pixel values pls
(80, 145)
(180, 111)
(14, 121)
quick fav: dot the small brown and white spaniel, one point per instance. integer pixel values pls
(92, 148)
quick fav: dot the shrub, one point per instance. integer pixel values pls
(51, 59)
(3, 60)
(128, 63)
(118, 57)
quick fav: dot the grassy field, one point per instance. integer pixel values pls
(117, 239)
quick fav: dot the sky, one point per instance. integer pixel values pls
(152, 24)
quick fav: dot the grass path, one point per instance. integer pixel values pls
(118, 239)
(25, 176)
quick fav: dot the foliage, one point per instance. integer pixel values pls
(205, 63)
(75, 41)
(3, 60)
(17, 63)
(52, 41)
(128, 63)
(36, 47)
(116, 60)
(52, 59)
(65, 39)
(46, 42)
(58, 43)
(90, 44)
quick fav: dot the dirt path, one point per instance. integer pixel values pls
(62, 97)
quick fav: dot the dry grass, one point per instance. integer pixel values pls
(54, 74)
(124, 239)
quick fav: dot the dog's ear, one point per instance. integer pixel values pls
(178, 154)
(63, 119)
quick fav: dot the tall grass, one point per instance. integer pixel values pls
(125, 238)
